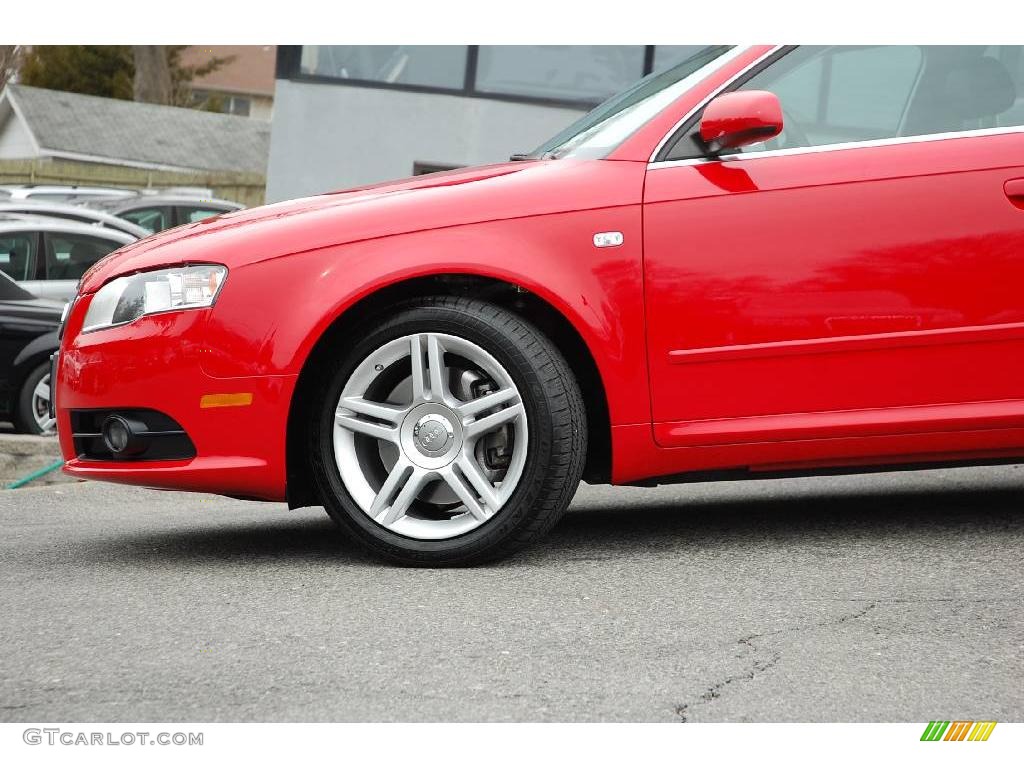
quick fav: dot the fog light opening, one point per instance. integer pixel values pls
(124, 437)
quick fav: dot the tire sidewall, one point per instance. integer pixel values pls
(24, 418)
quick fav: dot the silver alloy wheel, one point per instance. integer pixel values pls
(430, 436)
(41, 406)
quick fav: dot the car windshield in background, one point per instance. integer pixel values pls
(610, 123)
(150, 219)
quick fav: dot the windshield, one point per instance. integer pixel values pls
(609, 124)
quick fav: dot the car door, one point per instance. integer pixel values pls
(858, 276)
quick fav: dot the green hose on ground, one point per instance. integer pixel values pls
(36, 475)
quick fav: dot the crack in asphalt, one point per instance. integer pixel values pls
(759, 666)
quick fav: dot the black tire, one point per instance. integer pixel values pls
(23, 419)
(557, 438)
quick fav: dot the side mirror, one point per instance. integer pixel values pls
(739, 119)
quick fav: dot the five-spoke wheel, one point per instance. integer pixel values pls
(451, 433)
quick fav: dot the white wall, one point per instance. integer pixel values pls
(326, 137)
(15, 142)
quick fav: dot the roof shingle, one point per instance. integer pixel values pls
(142, 133)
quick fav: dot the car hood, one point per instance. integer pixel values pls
(452, 198)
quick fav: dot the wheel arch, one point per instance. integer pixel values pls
(532, 307)
(31, 356)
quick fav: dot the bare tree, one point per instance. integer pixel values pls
(152, 74)
(10, 58)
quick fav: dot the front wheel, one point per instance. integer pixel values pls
(451, 433)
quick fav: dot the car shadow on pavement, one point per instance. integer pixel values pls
(632, 528)
(663, 528)
(301, 537)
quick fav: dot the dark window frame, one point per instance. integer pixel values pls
(289, 66)
(39, 264)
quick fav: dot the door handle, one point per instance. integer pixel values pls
(1014, 188)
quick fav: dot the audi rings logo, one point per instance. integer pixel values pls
(433, 433)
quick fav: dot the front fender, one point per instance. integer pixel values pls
(270, 315)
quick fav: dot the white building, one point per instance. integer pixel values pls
(351, 115)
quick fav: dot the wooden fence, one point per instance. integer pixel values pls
(246, 188)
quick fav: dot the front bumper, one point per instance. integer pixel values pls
(156, 363)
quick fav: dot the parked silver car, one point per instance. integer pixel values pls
(79, 213)
(163, 211)
(47, 256)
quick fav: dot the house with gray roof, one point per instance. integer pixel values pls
(36, 123)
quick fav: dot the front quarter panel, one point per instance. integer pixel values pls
(599, 290)
(294, 270)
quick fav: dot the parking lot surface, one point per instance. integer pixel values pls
(890, 597)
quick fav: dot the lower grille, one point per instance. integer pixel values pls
(163, 438)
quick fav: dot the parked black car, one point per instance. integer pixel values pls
(28, 336)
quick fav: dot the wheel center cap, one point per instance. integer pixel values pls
(433, 435)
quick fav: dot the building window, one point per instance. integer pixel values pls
(568, 75)
(558, 72)
(221, 102)
(436, 66)
(239, 106)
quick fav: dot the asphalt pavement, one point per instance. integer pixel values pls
(890, 597)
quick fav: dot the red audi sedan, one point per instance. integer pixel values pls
(762, 261)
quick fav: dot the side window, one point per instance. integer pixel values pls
(153, 219)
(68, 255)
(188, 214)
(837, 94)
(17, 255)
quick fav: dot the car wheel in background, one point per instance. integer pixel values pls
(32, 414)
(450, 433)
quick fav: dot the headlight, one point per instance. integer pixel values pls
(165, 290)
